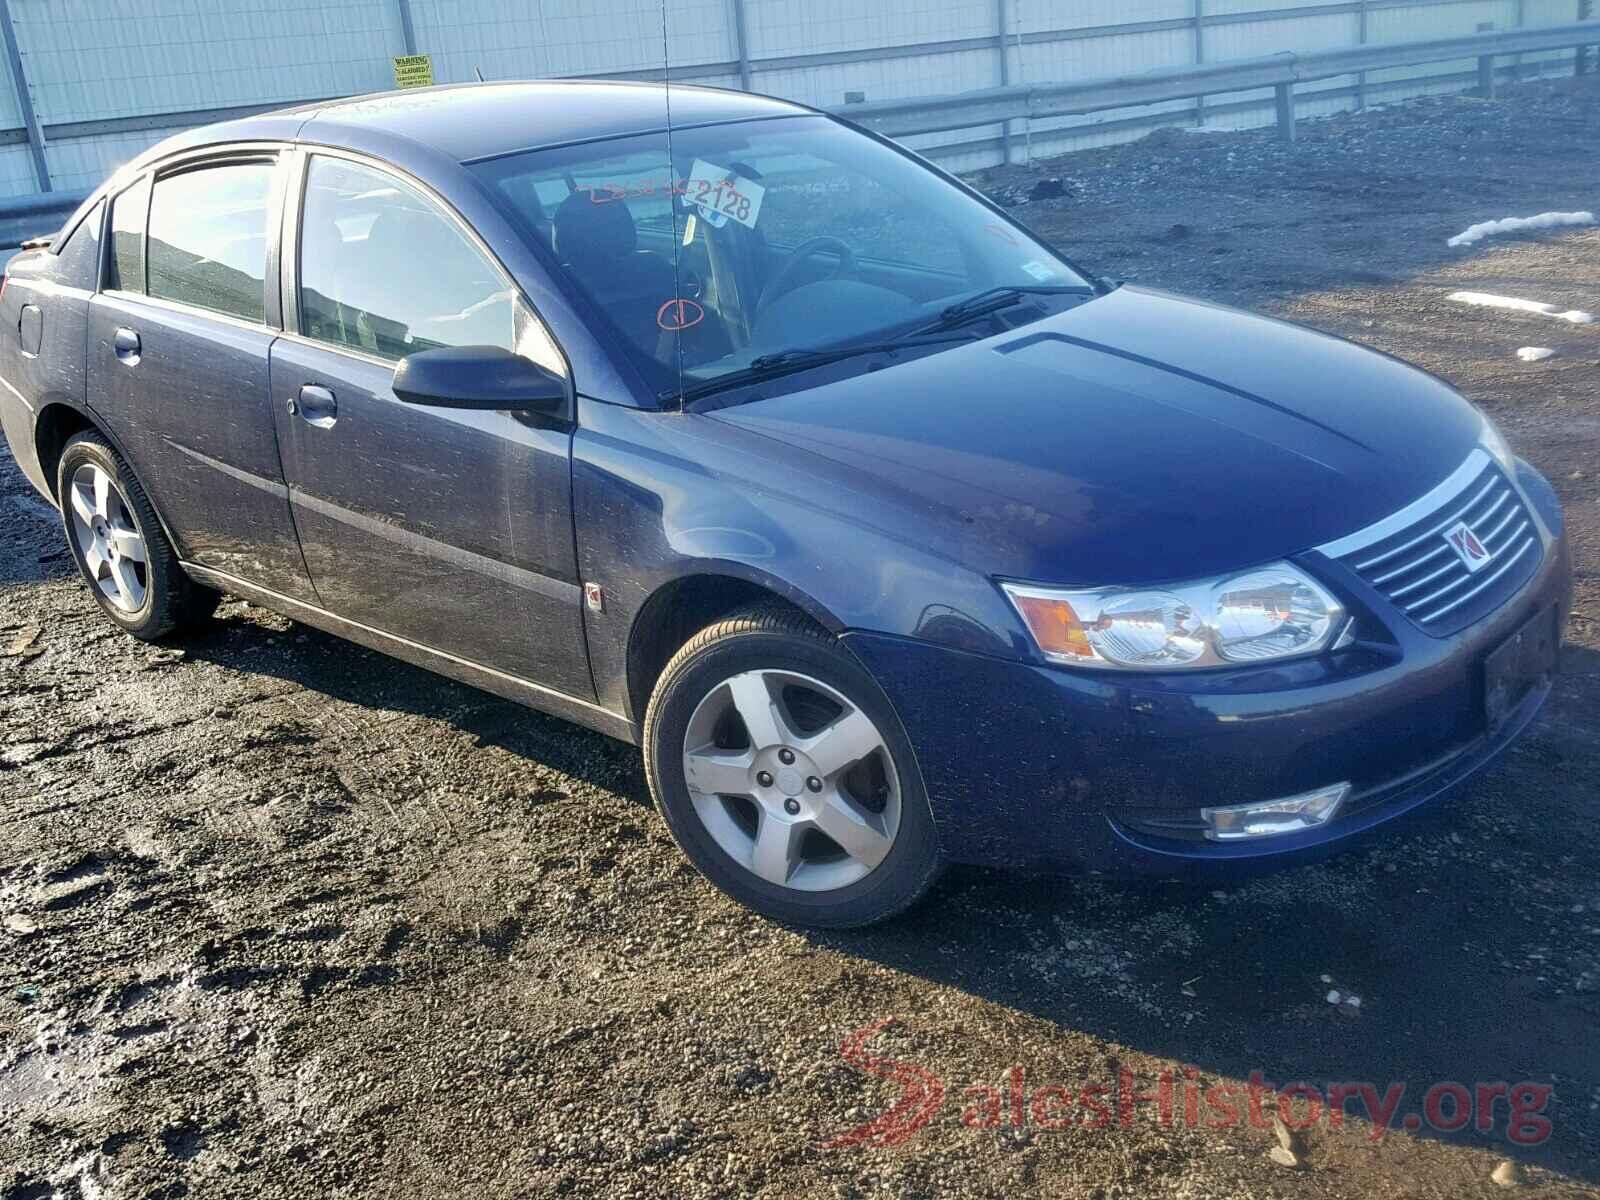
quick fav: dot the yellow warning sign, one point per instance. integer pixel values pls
(413, 70)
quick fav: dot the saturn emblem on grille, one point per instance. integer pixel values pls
(1473, 554)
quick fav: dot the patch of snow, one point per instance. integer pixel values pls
(1535, 353)
(1485, 300)
(1549, 220)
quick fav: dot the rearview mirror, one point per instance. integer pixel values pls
(485, 377)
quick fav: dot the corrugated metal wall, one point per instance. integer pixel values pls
(109, 77)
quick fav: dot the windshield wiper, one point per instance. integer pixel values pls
(992, 301)
(786, 362)
(934, 333)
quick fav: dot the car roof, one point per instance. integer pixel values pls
(473, 121)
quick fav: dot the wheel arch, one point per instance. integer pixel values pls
(685, 604)
(57, 423)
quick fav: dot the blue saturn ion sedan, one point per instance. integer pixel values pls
(723, 427)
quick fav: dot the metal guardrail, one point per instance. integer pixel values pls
(26, 216)
(1281, 72)
(41, 203)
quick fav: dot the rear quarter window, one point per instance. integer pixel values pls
(78, 263)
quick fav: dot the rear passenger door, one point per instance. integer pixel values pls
(451, 528)
(178, 360)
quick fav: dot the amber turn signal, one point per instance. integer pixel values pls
(1054, 625)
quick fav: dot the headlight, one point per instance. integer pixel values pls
(1492, 440)
(1254, 616)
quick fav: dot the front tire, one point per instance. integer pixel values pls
(785, 777)
(119, 545)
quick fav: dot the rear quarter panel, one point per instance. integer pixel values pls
(53, 375)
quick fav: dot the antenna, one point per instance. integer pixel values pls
(672, 171)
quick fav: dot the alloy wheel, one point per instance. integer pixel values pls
(792, 780)
(108, 537)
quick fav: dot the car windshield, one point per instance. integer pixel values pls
(762, 247)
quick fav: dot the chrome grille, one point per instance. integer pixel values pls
(1419, 570)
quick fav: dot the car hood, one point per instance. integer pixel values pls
(1135, 438)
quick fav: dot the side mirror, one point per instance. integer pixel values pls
(484, 377)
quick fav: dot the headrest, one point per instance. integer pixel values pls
(416, 249)
(590, 234)
(405, 233)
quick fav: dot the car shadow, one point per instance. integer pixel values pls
(1508, 989)
(1466, 937)
(323, 663)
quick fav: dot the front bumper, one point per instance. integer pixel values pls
(1029, 765)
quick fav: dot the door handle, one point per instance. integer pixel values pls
(126, 344)
(316, 406)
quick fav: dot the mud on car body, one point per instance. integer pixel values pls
(891, 536)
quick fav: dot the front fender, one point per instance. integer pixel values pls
(659, 496)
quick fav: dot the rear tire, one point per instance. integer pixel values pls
(120, 548)
(812, 812)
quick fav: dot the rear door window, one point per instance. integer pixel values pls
(125, 265)
(208, 238)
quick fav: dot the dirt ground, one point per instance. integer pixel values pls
(281, 917)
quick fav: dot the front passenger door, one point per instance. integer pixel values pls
(451, 528)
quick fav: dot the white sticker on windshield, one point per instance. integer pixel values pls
(720, 196)
(1043, 272)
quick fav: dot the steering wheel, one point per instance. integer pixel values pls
(802, 254)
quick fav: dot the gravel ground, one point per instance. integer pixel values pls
(280, 917)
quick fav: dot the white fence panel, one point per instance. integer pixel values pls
(1090, 14)
(784, 27)
(1085, 58)
(563, 37)
(882, 79)
(110, 77)
(10, 114)
(78, 164)
(1547, 12)
(1452, 20)
(95, 59)
(16, 172)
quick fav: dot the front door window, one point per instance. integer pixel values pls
(383, 271)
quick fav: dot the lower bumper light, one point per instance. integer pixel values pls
(1269, 818)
